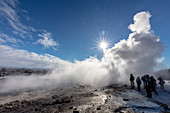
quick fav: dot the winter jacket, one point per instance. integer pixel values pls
(132, 78)
(162, 82)
(138, 81)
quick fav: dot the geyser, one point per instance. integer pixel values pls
(138, 55)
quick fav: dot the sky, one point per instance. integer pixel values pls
(40, 34)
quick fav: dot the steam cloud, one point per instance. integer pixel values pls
(138, 55)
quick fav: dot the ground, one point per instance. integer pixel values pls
(86, 99)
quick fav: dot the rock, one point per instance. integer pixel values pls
(22, 102)
(107, 92)
(71, 108)
(164, 106)
(27, 102)
(75, 111)
(118, 110)
(91, 93)
(66, 100)
(9, 107)
(126, 99)
(23, 105)
(36, 108)
(81, 86)
(98, 108)
(106, 100)
(54, 96)
(58, 101)
(16, 101)
(125, 85)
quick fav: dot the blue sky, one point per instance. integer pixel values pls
(72, 26)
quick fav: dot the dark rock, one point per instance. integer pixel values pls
(98, 108)
(66, 100)
(71, 108)
(91, 93)
(126, 99)
(107, 92)
(36, 108)
(75, 111)
(118, 110)
(164, 106)
(125, 85)
(54, 96)
(106, 100)
(81, 86)
(23, 105)
(16, 101)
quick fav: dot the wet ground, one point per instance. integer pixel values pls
(82, 99)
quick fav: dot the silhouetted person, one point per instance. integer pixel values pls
(161, 82)
(148, 86)
(138, 81)
(153, 84)
(132, 81)
(144, 80)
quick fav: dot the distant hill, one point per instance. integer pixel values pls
(6, 71)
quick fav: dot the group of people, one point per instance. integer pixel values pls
(149, 83)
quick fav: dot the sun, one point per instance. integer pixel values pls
(102, 43)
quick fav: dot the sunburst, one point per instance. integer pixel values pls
(102, 43)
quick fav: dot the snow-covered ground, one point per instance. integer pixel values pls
(139, 101)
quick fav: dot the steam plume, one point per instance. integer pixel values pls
(138, 55)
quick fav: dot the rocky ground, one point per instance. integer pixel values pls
(82, 99)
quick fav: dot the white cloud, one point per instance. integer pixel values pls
(160, 60)
(5, 38)
(22, 58)
(141, 22)
(8, 11)
(47, 40)
(2, 40)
